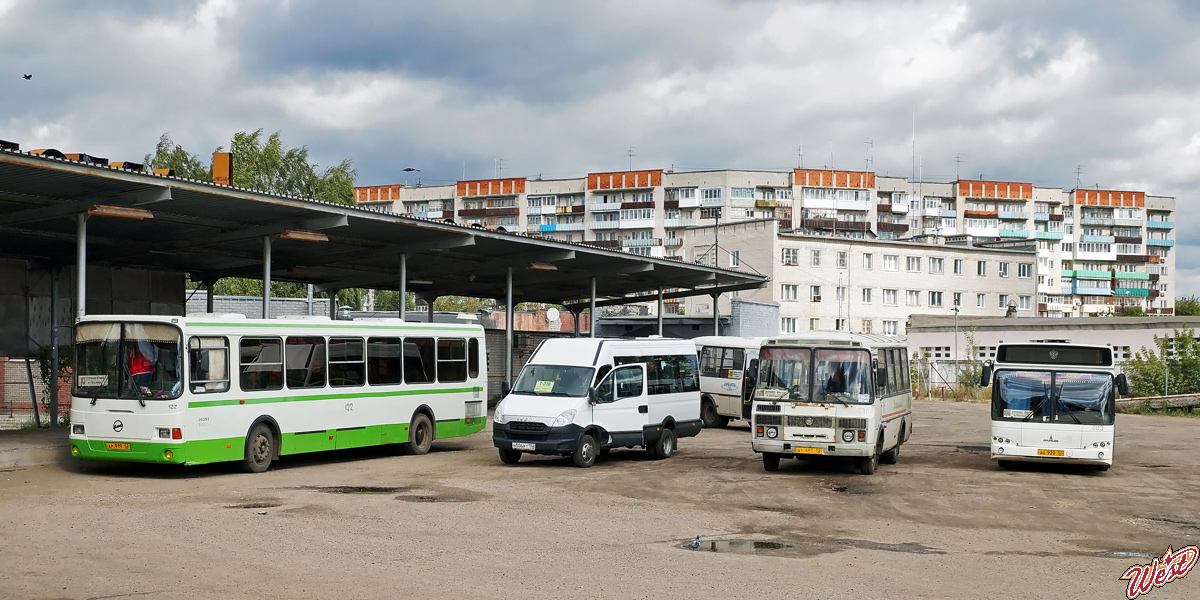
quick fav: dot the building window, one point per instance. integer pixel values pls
(734, 258)
(913, 298)
(1025, 270)
(866, 326)
(891, 262)
(791, 256)
(935, 298)
(867, 261)
(1024, 302)
(889, 297)
(841, 260)
(814, 293)
(787, 325)
(739, 192)
(814, 324)
(981, 268)
(816, 258)
(789, 292)
(1004, 269)
(913, 264)
(866, 295)
(936, 266)
(839, 324)
(1003, 300)
(841, 294)
(711, 193)
(958, 298)
(889, 327)
(980, 300)
(958, 266)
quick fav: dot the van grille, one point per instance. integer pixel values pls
(803, 421)
(852, 423)
(527, 426)
(769, 419)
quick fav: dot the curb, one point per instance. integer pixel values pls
(33, 456)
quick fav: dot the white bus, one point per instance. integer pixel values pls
(728, 366)
(832, 394)
(1053, 402)
(206, 388)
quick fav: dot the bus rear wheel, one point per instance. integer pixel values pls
(260, 449)
(420, 435)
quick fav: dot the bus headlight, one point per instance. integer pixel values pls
(847, 436)
(165, 433)
(772, 432)
(566, 418)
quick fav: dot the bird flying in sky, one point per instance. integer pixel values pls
(27, 76)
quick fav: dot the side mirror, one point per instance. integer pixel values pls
(505, 388)
(881, 377)
(593, 396)
(1122, 385)
(985, 376)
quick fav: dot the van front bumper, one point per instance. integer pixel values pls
(550, 440)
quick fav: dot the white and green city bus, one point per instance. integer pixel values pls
(1053, 402)
(832, 394)
(227, 388)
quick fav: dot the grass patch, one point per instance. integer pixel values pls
(1142, 409)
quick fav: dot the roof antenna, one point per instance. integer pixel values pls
(631, 155)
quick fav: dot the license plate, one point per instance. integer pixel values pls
(808, 451)
(116, 446)
(1050, 453)
(523, 446)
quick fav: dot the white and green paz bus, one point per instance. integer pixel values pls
(205, 389)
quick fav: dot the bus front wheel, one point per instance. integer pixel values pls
(260, 449)
(420, 435)
(709, 417)
(867, 465)
(770, 461)
(510, 457)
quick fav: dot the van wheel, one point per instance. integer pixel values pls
(665, 445)
(510, 457)
(420, 435)
(260, 449)
(585, 454)
(708, 415)
(770, 461)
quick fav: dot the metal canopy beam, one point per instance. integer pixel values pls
(653, 296)
(362, 255)
(66, 209)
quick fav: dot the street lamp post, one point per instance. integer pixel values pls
(955, 309)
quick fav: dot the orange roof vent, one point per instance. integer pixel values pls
(48, 153)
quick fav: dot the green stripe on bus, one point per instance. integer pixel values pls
(346, 396)
(198, 452)
(339, 325)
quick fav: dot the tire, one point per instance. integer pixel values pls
(509, 457)
(665, 446)
(1004, 464)
(867, 465)
(724, 422)
(1103, 468)
(709, 417)
(891, 456)
(420, 435)
(770, 461)
(260, 449)
(585, 454)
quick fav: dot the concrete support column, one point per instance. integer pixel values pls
(508, 326)
(660, 311)
(266, 293)
(592, 312)
(403, 284)
(333, 307)
(81, 265)
(208, 302)
(716, 313)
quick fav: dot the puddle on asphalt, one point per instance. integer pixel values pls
(359, 489)
(441, 495)
(1125, 554)
(842, 488)
(798, 549)
(254, 505)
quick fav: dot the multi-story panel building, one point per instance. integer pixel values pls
(1097, 251)
(864, 285)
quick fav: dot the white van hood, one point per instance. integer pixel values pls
(539, 409)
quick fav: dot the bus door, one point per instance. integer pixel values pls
(748, 380)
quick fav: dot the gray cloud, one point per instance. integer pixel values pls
(1026, 91)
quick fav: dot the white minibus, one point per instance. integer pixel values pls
(728, 366)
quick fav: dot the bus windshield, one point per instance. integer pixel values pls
(842, 376)
(1054, 396)
(127, 360)
(554, 380)
(783, 374)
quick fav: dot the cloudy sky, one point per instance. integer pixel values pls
(1017, 91)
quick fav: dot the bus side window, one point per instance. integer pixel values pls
(261, 364)
(473, 358)
(419, 360)
(893, 374)
(383, 361)
(451, 360)
(347, 362)
(305, 362)
(208, 359)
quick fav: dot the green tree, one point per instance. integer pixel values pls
(1187, 306)
(1130, 311)
(168, 155)
(462, 304)
(1153, 372)
(269, 166)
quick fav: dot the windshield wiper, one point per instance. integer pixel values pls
(1033, 410)
(833, 395)
(1071, 413)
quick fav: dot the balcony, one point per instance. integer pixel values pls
(636, 223)
(883, 208)
(671, 242)
(1162, 243)
(635, 205)
(641, 243)
(832, 224)
(1102, 221)
(709, 202)
(950, 214)
(1128, 222)
(613, 224)
(1056, 217)
(1014, 233)
(1041, 216)
(1048, 235)
(1160, 311)
(1091, 291)
(473, 212)
(1014, 216)
(570, 209)
(672, 223)
(688, 202)
(603, 243)
(975, 214)
(1132, 292)
(1134, 258)
(1099, 239)
(861, 205)
(604, 206)
(1126, 239)
(900, 208)
(569, 227)
(1133, 276)
(765, 203)
(1092, 274)
(892, 226)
